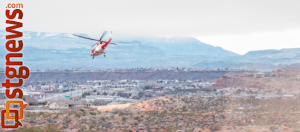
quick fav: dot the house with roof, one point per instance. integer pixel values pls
(259, 75)
(247, 74)
(66, 104)
(58, 105)
(2, 103)
(12, 106)
(31, 100)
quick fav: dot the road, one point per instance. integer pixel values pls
(75, 93)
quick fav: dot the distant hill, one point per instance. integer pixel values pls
(45, 51)
(262, 60)
(121, 75)
(259, 66)
(287, 56)
(186, 46)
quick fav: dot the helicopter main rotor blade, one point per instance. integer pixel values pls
(120, 42)
(103, 34)
(94, 44)
(85, 37)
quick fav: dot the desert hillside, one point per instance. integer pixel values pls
(283, 78)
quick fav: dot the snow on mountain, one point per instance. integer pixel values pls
(44, 51)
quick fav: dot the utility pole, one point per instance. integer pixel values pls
(71, 92)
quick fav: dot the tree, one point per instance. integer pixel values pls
(184, 108)
(113, 94)
(238, 91)
(85, 94)
(147, 87)
(140, 94)
(119, 94)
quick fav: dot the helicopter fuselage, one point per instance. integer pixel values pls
(100, 47)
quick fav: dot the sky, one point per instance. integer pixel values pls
(235, 25)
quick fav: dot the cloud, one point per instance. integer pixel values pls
(194, 18)
(168, 17)
(241, 44)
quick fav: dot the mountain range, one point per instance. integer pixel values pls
(49, 51)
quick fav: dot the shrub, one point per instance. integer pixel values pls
(78, 115)
(222, 116)
(184, 108)
(25, 129)
(272, 128)
(67, 120)
(93, 113)
(82, 110)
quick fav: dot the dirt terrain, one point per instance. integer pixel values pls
(283, 78)
(176, 113)
(111, 107)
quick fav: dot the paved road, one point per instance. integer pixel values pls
(63, 95)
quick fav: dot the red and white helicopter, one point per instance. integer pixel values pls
(100, 46)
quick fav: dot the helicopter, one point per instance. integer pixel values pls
(100, 46)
